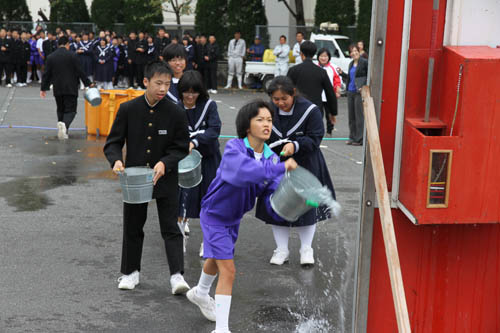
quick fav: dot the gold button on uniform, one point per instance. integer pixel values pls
(151, 111)
(148, 151)
(150, 124)
(149, 138)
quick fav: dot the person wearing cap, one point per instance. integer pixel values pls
(256, 51)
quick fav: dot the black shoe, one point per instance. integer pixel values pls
(357, 143)
(348, 142)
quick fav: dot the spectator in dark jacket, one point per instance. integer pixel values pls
(211, 56)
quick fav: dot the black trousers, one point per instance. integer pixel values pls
(329, 124)
(356, 116)
(21, 70)
(132, 69)
(211, 76)
(7, 67)
(134, 218)
(140, 75)
(66, 108)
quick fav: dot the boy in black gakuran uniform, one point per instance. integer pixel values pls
(156, 133)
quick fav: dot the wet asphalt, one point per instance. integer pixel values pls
(61, 228)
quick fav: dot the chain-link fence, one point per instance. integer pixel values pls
(79, 27)
(48, 26)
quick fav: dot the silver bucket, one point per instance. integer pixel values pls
(295, 194)
(189, 170)
(93, 96)
(137, 185)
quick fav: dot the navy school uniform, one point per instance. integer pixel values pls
(204, 128)
(303, 126)
(86, 58)
(103, 72)
(173, 92)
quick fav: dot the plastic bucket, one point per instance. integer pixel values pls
(137, 185)
(93, 96)
(295, 194)
(189, 170)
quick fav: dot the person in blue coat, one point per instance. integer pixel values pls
(249, 169)
(176, 57)
(204, 128)
(297, 132)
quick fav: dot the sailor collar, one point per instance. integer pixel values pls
(267, 152)
(289, 113)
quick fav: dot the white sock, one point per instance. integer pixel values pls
(29, 76)
(222, 307)
(39, 73)
(306, 235)
(205, 283)
(281, 236)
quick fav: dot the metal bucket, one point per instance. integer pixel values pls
(295, 194)
(189, 170)
(137, 185)
(93, 96)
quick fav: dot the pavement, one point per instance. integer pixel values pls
(61, 229)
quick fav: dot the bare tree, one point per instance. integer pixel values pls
(298, 14)
(178, 7)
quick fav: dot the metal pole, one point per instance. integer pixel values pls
(367, 202)
(401, 101)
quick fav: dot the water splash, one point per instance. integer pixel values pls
(324, 197)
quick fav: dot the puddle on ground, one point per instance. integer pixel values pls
(26, 194)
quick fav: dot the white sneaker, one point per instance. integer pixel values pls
(186, 228)
(227, 87)
(9, 85)
(279, 257)
(201, 250)
(29, 81)
(205, 303)
(61, 131)
(215, 331)
(128, 282)
(178, 284)
(19, 84)
(240, 87)
(214, 91)
(307, 256)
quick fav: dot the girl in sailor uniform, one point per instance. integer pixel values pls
(297, 132)
(85, 55)
(152, 50)
(204, 128)
(103, 55)
(175, 56)
(249, 169)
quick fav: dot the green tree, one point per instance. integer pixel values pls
(364, 22)
(335, 11)
(140, 15)
(244, 15)
(179, 8)
(14, 10)
(107, 12)
(69, 11)
(211, 18)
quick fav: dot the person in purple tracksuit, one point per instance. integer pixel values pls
(249, 169)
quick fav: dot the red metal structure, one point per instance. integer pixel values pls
(448, 233)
